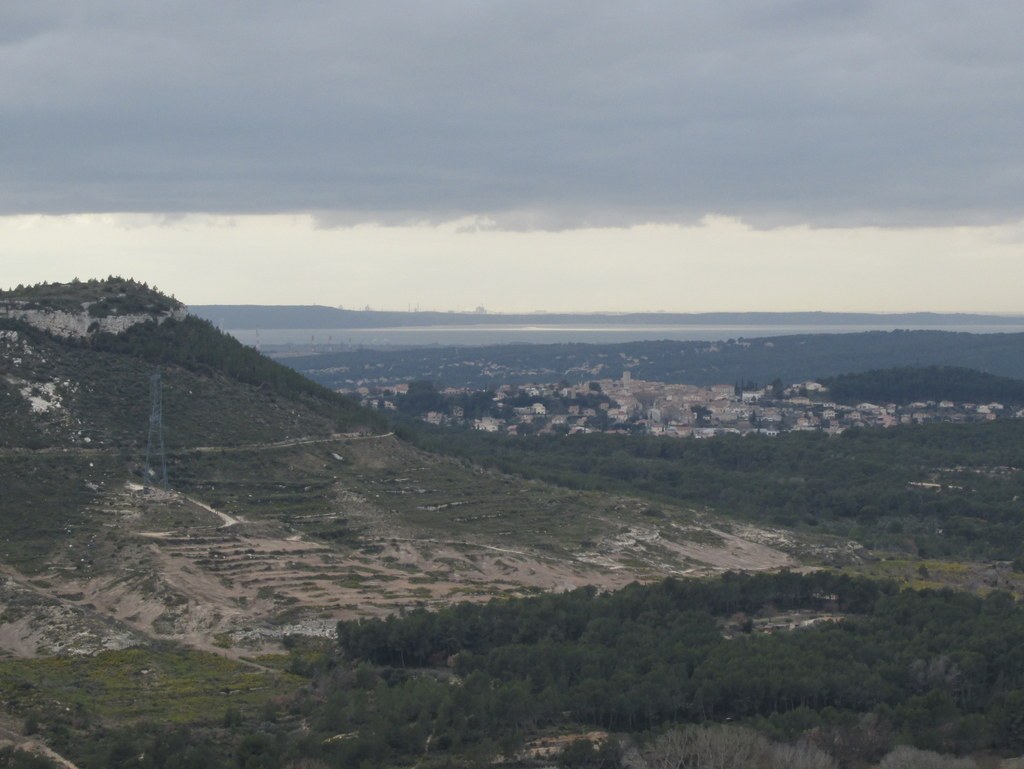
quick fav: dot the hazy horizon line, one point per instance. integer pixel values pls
(618, 313)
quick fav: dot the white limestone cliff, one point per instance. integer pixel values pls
(81, 324)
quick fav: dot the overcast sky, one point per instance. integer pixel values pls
(792, 154)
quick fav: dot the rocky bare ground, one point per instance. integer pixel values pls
(169, 565)
(267, 532)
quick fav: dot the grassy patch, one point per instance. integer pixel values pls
(45, 500)
(931, 573)
(179, 686)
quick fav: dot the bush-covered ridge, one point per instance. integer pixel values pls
(191, 343)
(879, 669)
(936, 490)
(198, 346)
(216, 392)
(939, 669)
(101, 298)
(908, 384)
(796, 358)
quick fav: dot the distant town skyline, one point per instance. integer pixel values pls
(578, 156)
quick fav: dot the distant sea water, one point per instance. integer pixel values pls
(444, 336)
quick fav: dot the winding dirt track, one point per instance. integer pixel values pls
(10, 736)
(177, 567)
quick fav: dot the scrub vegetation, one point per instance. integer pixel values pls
(502, 601)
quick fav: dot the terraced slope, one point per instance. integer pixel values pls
(340, 528)
(289, 506)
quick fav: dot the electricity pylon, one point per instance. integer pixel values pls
(156, 457)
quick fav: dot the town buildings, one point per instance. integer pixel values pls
(634, 406)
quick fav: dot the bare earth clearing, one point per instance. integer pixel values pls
(173, 565)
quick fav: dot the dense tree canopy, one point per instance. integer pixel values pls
(933, 490)
(943, 669)
(908, 384)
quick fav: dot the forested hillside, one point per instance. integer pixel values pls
(907, 384)
(938, 669)
(100, 298)
(787, 358)
(844, 669)
(83, 405)
(217, 390)
(935, 490)
(275, 527)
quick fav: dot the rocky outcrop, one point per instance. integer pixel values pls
(81, 324)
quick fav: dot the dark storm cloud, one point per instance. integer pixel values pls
(534, 113)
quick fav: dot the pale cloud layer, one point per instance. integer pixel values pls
(521, 154)
(532, 113)
(716, 264)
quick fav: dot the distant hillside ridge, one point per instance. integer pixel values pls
(796, 358)
(80, 309)
(908, 384)
(86, 381)
(255, 316)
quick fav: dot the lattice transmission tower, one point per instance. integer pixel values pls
(156, 457)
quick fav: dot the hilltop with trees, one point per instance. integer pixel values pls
(907, 384)
(194, 625)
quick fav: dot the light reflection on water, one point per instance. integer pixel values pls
(497, 334)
